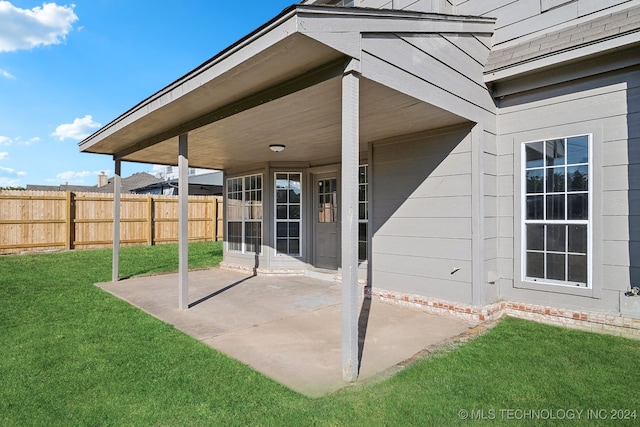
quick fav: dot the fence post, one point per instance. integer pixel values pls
(71, 215)
(220, 218)
(150, 219)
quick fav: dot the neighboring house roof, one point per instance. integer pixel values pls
(63, 187)
(132, 182)
(129, 183)
(598, 30)
(194, 189)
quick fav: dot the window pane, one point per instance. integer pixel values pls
(294, 184)
(252, 236)
(578, 150)
(281, 229)
(535, 207)
(294, 212)
(555, 180)
(281, 246)
(234, 236)
(578, 178)
(281, 196)
(556, 237)
(535, 237)
(535, 265)
(362, 231)
(555, 207)
(281, 212)
(362, 211)
(535, 181)
(578, 206)
(362, 174)
(534, 155)
(362, 251)
(294, 247)
(578, 238)
(578, 268)
(294, 229)
(294, 196)
(555, 152)
(555, 266)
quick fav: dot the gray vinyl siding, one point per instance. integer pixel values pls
(517, 18)
(429, 6)
(608, 107)
(442, 70)
(421, 224)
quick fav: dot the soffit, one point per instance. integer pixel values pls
(307, 122)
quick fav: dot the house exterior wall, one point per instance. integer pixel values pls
(422, 214)
(429, 6)
(524, 17)
(607, 106)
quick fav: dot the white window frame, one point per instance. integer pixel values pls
(524, 221)
(275, 215)
(365, 202)
(244, 220)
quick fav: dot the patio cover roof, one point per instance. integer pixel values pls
(282, 84)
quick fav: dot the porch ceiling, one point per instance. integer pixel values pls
(307, 122)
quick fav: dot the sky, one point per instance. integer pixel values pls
(66, 69)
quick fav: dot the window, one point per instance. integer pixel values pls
(327, 201)
(556, 206)
(363, 212)
(244, 214)
(288, 213)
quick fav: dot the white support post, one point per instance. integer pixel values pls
(349, 219)
(115, 271)
(183, 222)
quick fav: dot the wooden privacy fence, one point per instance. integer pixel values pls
(44, 220)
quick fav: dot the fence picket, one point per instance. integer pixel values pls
(39, 220)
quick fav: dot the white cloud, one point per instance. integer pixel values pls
(12, 171)
(29, 28)
(6, 74)
(31, 141)
(79, 129)
(9, 182)
(77, 176)
(5, 140)
(3, 155)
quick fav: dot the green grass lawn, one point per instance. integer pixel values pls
(71, 354)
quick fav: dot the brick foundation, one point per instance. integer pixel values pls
(577, 319)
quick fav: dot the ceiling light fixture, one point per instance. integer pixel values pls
(276, 148)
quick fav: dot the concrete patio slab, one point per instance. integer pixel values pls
(287, 328)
